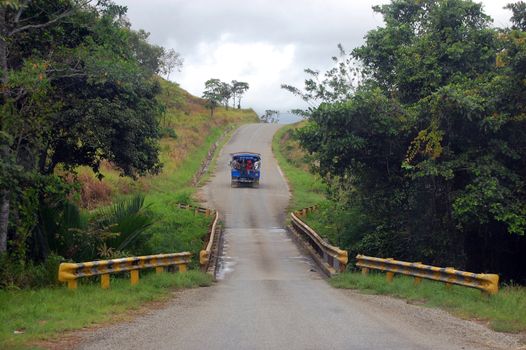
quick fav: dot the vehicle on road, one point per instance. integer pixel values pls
(246, 168)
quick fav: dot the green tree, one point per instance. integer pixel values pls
(225, 93)
(74, 99)
(212, 94)
(270, 116)
(171, 60)
(518, 17)
(238, 90)
(429, 148)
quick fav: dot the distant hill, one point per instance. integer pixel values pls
(186, 127)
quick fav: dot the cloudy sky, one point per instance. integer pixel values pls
(263, 42)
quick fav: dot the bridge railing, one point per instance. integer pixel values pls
(488, 283)
(205, 254)
(331, 259)
(71, 272)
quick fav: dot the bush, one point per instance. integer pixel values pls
(21, 275)
(168, 132)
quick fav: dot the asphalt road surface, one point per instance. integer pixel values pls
(270, 295)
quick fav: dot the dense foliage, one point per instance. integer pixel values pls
(426, 156)
(78, 87)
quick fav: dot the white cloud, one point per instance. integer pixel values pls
(263, 42)
(261, 64)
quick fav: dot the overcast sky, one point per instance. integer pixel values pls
(263, 42)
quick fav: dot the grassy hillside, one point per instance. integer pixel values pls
(187, 130)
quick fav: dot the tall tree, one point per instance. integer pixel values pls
(75, 99)
(212, 94)
(225, 93)
(171, 60)
(14, 21)
(238, 90)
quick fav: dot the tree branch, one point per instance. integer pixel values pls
(41, 25)
(23, 5)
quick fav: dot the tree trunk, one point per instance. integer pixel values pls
(4, 148)
(4, 219)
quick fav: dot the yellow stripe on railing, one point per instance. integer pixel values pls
(488, 283)
(71, 272)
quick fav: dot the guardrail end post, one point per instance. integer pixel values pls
(389, 276)
(417, 281)
(105, 281)
(365, 271)
(72, 284)
(159, 269)
(134, 277)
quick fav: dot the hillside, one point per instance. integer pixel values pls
(187, 129)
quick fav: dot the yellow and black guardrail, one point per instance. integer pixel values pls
(331, 259)
(71, 272)
(488, 283)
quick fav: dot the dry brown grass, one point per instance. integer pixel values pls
(94, 192)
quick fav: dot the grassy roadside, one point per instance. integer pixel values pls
(307, 189)
(31, 315)
(505, 312)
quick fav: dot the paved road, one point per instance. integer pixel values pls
(270, 296)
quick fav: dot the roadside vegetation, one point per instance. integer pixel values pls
(307, 189)
(96, 151)
(420, 135)
(420, 142)
(32, 316)
(504, 312)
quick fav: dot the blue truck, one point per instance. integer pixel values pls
(246, 168)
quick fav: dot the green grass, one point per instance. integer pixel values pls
(307, 189)
(504, 312)
(44, 313)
